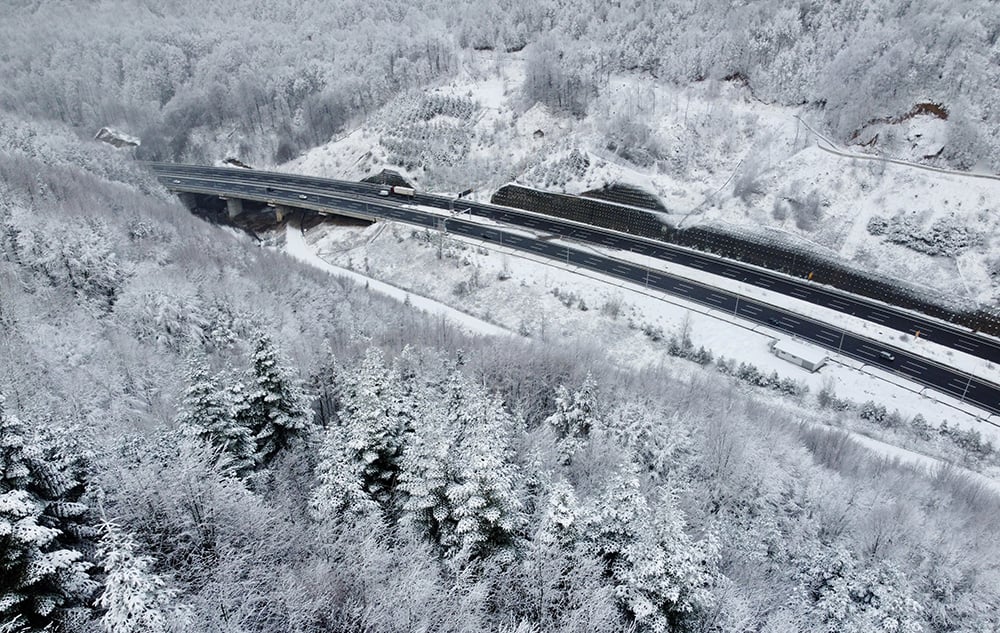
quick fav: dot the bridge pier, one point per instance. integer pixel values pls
(234, 206)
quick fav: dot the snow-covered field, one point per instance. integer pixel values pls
(714, 154)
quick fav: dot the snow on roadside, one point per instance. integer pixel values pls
(520, 297)
(571, 306)
(297, 247)
(925, 462)
(974, 365)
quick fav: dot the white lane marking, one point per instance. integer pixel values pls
(961, 344)
(826, 336)
(910, 367)
(868, 351)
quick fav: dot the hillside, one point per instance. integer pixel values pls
(200, 432)
(136, 339)
(712, 110)
(732, 162)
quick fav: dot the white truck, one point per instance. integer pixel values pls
(403, 191)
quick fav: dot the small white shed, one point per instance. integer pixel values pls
(799, 353)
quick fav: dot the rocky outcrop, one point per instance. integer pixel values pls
(116, 138)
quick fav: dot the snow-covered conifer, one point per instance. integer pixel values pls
(339, 488)
(208, 415)
(660, 573)
(574, 417)
(457, 473)
(361, 452)
(136, 599)
(852, 599)
(560, 525)
(373, 424)
(274, 404)
(40, 573)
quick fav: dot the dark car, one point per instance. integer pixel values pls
(774, 320)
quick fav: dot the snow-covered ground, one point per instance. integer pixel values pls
(567, 305)
(715, 154)
(953, 358)
(494, 291)
(296, 246)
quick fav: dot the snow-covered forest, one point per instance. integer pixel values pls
(201, 434)
(291, 74)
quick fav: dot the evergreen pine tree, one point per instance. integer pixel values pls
(340, 488)
(850, 598)
(274, 405)
(560, 524)
(574, 417)
(362, 449)
(39, 515)
(661, 575)
(208, 415)
(373, 424)
(135, 599)
(461, 485)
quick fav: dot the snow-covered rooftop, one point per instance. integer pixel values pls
(799, 349)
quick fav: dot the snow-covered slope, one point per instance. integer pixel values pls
(711, 153)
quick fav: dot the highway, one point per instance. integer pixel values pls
(885, 315)
(363, 199)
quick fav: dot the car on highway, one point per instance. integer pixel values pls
(175, 181)
(774, 320)
(269, 189)
(303, 196)
(886, 356)
(383, 192)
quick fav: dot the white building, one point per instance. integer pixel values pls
(799, 353)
